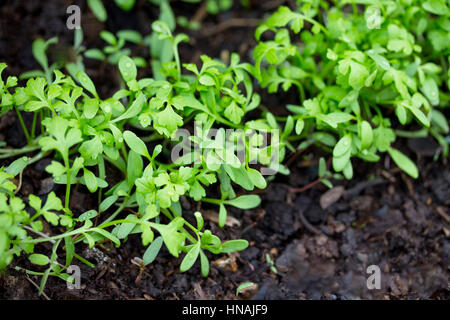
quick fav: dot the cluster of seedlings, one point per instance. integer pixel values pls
(357, 83)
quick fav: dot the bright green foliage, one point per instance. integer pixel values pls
(98, 9)
(355, 78)
(116, 47)
(7, 100)
(358, 67)
(215, 6)
(12, 215)
(85, 133)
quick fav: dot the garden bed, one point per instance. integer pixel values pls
(313, 244)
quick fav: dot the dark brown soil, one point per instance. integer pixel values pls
(381, 218)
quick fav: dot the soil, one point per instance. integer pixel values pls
(315, 244)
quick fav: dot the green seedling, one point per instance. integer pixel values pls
(243, 286)
(271, 264)
(115, 47)
(98, 9)
(85, 133)
(349, 75)
(355, 85)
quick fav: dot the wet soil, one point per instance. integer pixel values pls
(315, 244)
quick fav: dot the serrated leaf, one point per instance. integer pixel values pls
(172, 238)
(234, 113)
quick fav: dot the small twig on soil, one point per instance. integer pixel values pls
(359, 187)
(201, 13)
(270, 5)
(199, 291)
(309, 226)
(101, 274)
(408, 184)
(294, 156)
(308, 186)
(247, 228)
(36, 286)
(440, 211)
(231, 23)
(138, 262)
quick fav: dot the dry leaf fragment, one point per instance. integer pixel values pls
(331, 196)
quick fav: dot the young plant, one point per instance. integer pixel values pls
(351, 74)
(87, 133)
(116, 47)
(98, 9)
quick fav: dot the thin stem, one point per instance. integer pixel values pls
(38, 157)
(412, 134)
(302, 90)
(177, 59)
(41, 115)
(37, 232)
(314, 22)
(308, 186)
(355, 8)
(188, 235)
(69, 174)
(60, 236)
(124, 151)
(111, 217)
(213, 201)
(167, 213)
(25, 149)
(4, 155)
(24, 127)
(33, 126)
(102, 175)
(114, 163)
